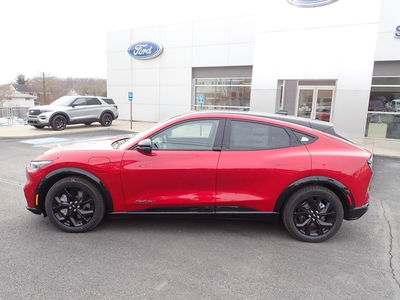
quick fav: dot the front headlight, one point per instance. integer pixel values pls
(36, 165)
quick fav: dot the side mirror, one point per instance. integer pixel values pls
(145, 146)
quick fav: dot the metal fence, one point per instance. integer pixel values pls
(13, 116)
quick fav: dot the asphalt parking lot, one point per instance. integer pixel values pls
(172, 258)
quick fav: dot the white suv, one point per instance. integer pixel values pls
(73, 110)
(395, 105)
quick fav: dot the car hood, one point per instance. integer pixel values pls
(93, 146)
(48, 107)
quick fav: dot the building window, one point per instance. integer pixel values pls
(311, 99)
(222, 93)
(383, 119)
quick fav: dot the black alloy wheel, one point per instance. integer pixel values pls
(313, 214)
(106, 119)
(74, 204)
(59, 122)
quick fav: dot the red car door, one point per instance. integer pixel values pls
(180, 172)
(258, 161)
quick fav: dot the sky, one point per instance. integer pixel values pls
(67, 38)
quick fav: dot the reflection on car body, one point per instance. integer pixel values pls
(220, 164)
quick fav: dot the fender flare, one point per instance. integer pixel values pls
(51, 178)
(334, 185)
(59, 113)
(108, 112)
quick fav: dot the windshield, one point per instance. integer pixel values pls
(141, 135)
(63, 101)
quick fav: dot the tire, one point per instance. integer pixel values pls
(313, 214)
(74, 204)
(106, 119)
(59, 122)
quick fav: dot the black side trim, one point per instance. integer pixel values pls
(176, 210)
(58, 174)
(219, 212)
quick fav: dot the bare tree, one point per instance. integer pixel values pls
(4, 93)
(54, 87)
(42, 81)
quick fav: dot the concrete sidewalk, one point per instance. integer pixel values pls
(383, 147)
(27, 131)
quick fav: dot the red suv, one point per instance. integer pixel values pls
(225, 165)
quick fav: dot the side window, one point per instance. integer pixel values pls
(79, 102)
(93, 101)
(257, 136)
(192, 135)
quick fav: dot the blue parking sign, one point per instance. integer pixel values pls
(130, 96)
(200, 99)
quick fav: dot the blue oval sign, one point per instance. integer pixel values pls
(397, 33)
(310, 3)
(145, 50)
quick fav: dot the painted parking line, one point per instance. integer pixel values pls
(45, 141)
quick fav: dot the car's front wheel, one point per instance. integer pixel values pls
(106, 119)
(74, 204)
(313, 214)
(59, 122)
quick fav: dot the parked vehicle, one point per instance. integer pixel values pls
(226, 165)
(394, 105)
(376, 105)
(73, 110)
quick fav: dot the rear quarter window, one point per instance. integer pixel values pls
(305, 138)
(108, 100)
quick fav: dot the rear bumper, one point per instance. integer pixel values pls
(358, 212)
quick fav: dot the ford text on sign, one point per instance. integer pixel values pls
(310, 3)
(145, 50)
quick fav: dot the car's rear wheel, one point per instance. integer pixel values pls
(59, 122)
(106, 119)
(74, 204)
(313, 214)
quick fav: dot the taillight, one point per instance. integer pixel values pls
(116, 106)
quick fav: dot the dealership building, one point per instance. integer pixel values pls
(336, 62)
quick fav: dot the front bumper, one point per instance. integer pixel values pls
(34, 210)
(40, 120)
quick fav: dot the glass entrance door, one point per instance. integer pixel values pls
(315, 103)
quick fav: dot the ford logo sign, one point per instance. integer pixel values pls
(145, 50)
(310, 3)
(397, 33)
